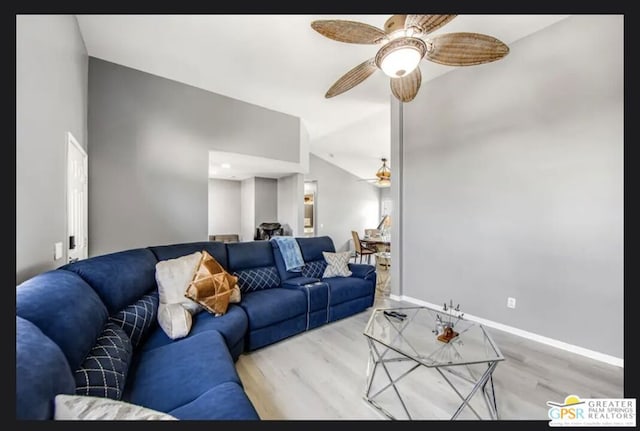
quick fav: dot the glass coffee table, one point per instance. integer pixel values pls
(466, 362)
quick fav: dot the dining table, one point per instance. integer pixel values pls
(379, 243)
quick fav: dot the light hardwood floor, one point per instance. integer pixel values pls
(320, 375)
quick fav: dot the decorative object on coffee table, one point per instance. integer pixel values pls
(444, 325)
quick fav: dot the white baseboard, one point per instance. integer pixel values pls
(598, 356)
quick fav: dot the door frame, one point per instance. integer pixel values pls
(72, 141)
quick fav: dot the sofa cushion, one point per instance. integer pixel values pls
(299, 281)
(313, 247)
(119, 278)
(260, 337)
(251, 280)
(266, 307)
(314, 268)
(252, 254)
(343, 289)
(138, 318)
(232, 325)
(103, 372)
(42, 371)
(227, 401)
(60, 303)
(175, 374)
(215, 249)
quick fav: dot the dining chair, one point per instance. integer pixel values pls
(361, 249)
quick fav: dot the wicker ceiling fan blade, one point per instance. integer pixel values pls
(406, 88)
(465, 49)
(348, 31)
(352, 78)
(427, 23)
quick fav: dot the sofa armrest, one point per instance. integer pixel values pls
(299, 281)
(361, 270)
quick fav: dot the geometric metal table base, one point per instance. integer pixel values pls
(381, 355)
(377, 361)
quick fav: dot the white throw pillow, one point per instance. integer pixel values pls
(173, 277)
(82, 407)
(337, 264)
(175, 320)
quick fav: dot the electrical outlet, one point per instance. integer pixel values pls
(511, 302)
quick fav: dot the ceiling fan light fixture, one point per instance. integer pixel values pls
(383, 182)
(384, 173)
(400, 56)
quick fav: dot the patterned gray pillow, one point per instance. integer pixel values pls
(337, 264)
(79, 407)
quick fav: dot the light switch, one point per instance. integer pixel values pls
(57, 251)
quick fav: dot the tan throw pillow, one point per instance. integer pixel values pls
(211, 286)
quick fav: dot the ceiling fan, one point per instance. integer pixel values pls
(404, 43)
(383, 175)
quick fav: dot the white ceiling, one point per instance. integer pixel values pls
(233, 166)
(279, 62)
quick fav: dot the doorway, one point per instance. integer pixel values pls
(310, 211)
(77, 201)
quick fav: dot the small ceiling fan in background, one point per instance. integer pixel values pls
(383, 175)
(403, 47)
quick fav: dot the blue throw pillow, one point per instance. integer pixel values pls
(104, 371)
(314, 269)
(250, 280)
(137, 318)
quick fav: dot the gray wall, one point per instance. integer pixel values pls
(266, 197)
(291, 204)
(51, 100)
(344, 203)
(224, 207)
(150, 139)
(513, 186)
(247, 209)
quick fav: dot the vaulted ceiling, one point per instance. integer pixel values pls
(279, 62)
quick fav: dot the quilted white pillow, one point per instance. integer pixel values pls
(175, 310)
(81, 407)
(337, 264)
(175, 320)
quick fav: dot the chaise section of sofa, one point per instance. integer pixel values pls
(67, 311)
(58, 318)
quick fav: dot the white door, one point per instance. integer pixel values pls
(77, 201)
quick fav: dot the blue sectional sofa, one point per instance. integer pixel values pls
(62, 316)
